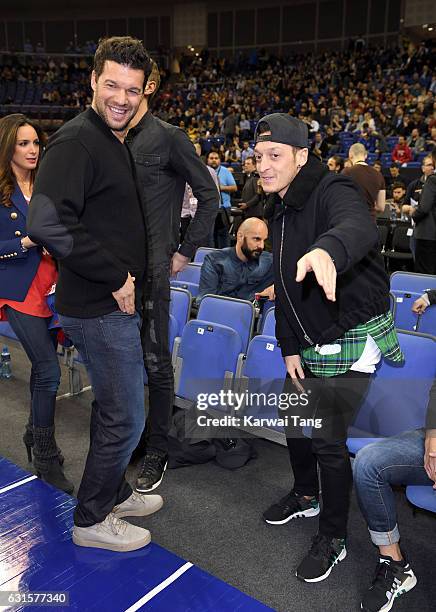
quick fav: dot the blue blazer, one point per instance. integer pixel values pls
(17, 268)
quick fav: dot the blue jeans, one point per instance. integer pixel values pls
(40, 345)
(110, 347)
(379, 466)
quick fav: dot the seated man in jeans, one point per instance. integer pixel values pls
(240, 271)
(406, 459)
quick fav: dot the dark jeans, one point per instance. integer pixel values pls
(157, 359)
(425, 256)
(335, 400)
(380, 466)
(40, 345)
(110, 347)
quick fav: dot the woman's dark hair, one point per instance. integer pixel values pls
(123, 50)
(9, 127)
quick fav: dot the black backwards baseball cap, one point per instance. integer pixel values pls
(284, 129)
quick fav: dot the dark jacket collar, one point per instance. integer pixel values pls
(19, 201)
(305, 182)
(96, 120)
(142, 124)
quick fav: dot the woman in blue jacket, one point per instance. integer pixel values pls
(26, 276)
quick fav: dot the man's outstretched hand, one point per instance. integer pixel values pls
(321, 264)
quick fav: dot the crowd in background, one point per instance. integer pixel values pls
(377, 92)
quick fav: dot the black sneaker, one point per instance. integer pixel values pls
(152, 471)
(391, 580)
(323, 555)
(289, 507)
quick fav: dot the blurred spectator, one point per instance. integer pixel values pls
(227, 186)
(244, 127)
(319, 146)
(335, 164)
(370, 182)
(332, 140)
(189, 206)
(416, 142)
(414, 189)
(252, 193)
(232, 154)
(402, 153)
(377, 165)
(240, 271)
(397, 201)
(247, 151)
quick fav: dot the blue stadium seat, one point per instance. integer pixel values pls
(238, 314)
(201, 254)
(269, 323)
(193, 288)
(412, 281)
(386, 159)
(190, 274)
(266, 307)
(180, 307)
(404, 317)
(188, 279)
(173, 330)
(263, 372)
(206, 359)
(397, 398)
(422, 496)
(427, 321)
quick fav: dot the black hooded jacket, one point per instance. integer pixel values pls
(324, 210)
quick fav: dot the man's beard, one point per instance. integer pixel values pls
(249, 254)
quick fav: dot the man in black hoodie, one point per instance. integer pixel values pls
(332, 322)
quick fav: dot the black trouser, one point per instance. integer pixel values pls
(157, 358)
(335, 400)
(425, 256)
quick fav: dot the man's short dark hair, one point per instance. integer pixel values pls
(398, 185)
(338, 161)
(155, 77)
(214, 151)
(123, 50)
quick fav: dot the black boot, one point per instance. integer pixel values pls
(46, 459)
(28, 440)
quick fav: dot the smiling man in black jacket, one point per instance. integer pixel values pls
(165, 161)
(333, 322)
(87, 212)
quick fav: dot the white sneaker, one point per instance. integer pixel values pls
(112, 534)
(138, 505)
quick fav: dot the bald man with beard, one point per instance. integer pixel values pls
(240, 271)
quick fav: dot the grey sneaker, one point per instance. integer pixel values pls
(112, 534)
(138, 505)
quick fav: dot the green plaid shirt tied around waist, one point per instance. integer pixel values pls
(380, 328)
